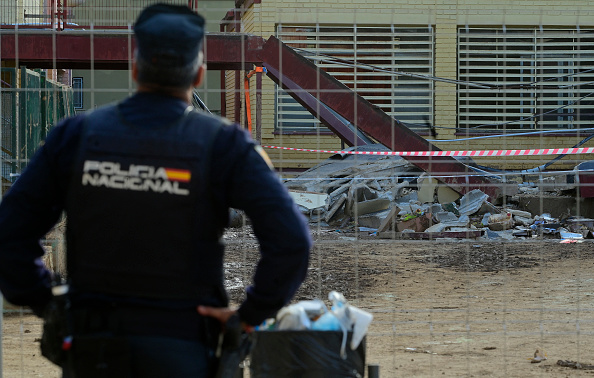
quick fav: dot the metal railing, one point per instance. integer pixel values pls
(77, 14)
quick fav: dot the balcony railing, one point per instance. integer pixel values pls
(78, 14)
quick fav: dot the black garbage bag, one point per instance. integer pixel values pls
(311, 354)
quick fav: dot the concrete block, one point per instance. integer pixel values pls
(388, 222)
(309, 200)
(337, 205)
(371, 206)
(445, 194)
(373, 220)
(426, 193)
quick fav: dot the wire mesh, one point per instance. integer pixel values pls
(490, 278)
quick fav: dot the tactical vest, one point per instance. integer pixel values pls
(140, 223)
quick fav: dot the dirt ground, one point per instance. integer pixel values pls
(441, 308)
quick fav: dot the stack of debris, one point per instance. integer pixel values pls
(390, 197)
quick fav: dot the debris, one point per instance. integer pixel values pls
(372, 220)
(446, 216)
(390, 194)
(338, 204)
(410, 234)
(570, 235)
(471, 202)
(577, 224)
(575, 365)
(446, 194)
(417, 223)
(523, 221)
(309, 200)
(388, 222)
(585, 178)
(500, 222)
(526, 232)
(451, 207)
(427, 185)
(371, 206)
(539, 356)
(518, 213)
(418, 350)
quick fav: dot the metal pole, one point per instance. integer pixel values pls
(373, 371)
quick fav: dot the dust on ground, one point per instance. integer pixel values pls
(441, 308)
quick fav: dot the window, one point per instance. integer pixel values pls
(534, 79)
(77, 88)
(404, 49)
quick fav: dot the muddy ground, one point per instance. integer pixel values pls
(441, 308)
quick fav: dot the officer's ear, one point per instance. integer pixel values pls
(200, 75)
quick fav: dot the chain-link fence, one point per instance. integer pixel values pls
(441, 152)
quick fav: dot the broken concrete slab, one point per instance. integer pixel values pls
(333, 195)
(337, 205)
(439, 227)
(522, 221)
(388, 222)
(446, 216)
(471, 202)
(436, 208)
(358, 193)
(463, 221)
(309, 200)
(370, 206)
(372, 220)
(445, 194)
(488, 207)
(408, 197)
(426, 192)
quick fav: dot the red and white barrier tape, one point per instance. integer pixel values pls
(540, 151)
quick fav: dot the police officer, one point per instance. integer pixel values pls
(146, 185)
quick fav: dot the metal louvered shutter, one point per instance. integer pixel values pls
(369, 57)
(540, 78)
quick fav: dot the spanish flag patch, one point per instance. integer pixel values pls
(181, 175)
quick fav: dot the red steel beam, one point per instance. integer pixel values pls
(369, 118)
(109, 50)
(314, 107)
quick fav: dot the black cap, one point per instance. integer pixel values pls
(169, 35)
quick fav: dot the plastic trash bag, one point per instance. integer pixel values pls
(312, 354)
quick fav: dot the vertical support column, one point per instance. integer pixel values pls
(237, 115)
(259, 105)
(445, 59)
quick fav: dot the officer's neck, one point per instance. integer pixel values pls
(185, 95)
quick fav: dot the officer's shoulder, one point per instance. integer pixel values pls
(212, 118)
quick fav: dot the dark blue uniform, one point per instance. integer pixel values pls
(237, 176)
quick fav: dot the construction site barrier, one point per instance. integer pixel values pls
(486, 153)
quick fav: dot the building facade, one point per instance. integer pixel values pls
(466, 75)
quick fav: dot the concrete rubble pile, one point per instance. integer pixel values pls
(389, 197)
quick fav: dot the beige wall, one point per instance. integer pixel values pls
(445, 17)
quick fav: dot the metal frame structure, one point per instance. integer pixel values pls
(308, 84)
